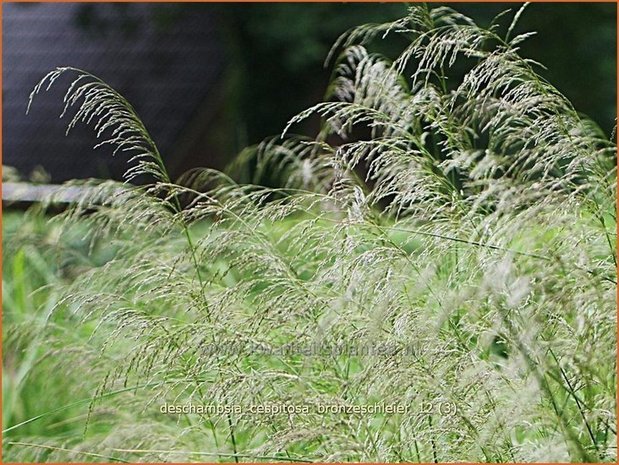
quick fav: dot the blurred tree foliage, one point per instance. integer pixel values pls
(578, 46)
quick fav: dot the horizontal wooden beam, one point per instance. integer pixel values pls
(19, 194)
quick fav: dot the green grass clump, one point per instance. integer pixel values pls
(455, 208)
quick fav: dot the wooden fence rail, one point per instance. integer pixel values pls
(22, 194)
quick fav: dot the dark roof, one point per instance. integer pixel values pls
(162, 58)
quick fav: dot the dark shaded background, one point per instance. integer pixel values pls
(210, 79)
